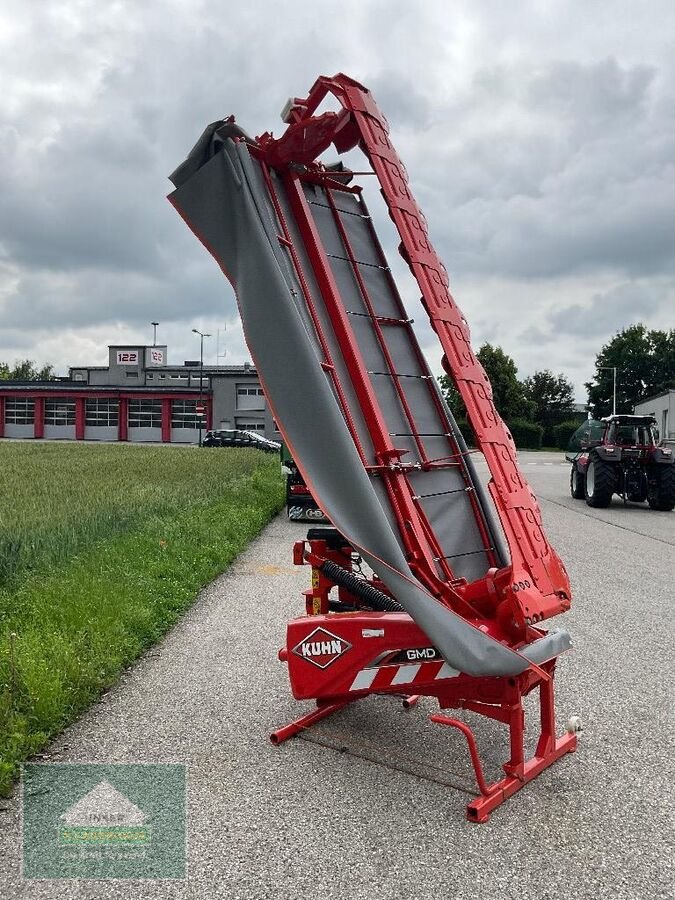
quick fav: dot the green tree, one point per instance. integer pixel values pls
(552, 399)
(507, 391)
(27, 370)
(645, 363)
(452, 397)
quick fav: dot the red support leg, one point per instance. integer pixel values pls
(516, 723)
(440, 719)
(547, 713)
(518, 770)
(321, 712)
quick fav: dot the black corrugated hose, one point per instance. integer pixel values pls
(355, 585)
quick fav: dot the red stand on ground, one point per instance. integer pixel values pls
(506, 696)
(519, 771)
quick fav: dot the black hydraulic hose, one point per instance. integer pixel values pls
(355, 585)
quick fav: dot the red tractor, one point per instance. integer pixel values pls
(619, 455)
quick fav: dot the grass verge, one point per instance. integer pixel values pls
(57, 499)
(67, 633)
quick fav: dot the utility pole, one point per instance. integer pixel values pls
(200, 405)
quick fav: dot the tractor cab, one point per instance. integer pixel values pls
(630, 431)
(617, 431)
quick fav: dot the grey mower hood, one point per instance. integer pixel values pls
(221, 194)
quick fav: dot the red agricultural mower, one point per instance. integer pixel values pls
(459, 580)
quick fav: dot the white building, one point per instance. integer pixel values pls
(662, 407)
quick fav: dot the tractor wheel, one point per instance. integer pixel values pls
(662, 488)
(599, 484)
(576, 484)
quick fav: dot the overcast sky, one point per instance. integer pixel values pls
(539, 138)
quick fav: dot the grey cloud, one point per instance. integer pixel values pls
(624, 305)
(598, 96)
(538, 149)
(565, 168)
(13, 340)
(537, 336)
(92, 296)
(404, 104)
(114, 105)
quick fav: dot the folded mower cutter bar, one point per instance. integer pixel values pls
(538, 586)
(458, 576)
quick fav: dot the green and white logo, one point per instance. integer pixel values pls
(104, 818)
(103, 821)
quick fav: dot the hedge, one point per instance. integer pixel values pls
(563, 432)
(527, 435)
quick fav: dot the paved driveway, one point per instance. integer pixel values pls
(382, 820)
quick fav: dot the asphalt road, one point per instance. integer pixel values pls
(305, 821)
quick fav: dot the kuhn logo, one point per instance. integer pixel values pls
(321, 648)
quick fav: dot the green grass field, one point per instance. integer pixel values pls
(102, 548)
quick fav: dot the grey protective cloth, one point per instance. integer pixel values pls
(224, 200)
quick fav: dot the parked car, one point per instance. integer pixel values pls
(236, 437)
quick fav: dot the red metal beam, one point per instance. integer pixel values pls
(412, 531)
(536, 585)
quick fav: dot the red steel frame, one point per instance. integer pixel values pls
(415, 530)
(507, 603)
(500, 699)
(364, 666)
(535, 586)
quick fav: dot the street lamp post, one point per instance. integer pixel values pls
(200, 412)
(613, 370)
(154, 333)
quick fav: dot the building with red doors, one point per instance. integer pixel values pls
(137, 397)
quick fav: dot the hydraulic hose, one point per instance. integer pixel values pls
(355, 585)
